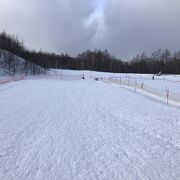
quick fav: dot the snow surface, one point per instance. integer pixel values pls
(85, 129)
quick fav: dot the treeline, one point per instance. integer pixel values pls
(13, 57)
(160, 61)
(97, 60)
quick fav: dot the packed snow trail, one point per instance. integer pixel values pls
(76, 130)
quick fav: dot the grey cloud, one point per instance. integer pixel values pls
(124, 27)
(56, 25)
(135, 26)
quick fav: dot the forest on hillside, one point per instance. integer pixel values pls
(97, 60)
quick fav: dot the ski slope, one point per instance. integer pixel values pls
(83, 130)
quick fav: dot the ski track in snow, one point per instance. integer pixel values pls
(64, 130)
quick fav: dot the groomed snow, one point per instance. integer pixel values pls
(85, 129)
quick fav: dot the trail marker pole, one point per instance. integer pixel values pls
(142, 85)
(167, 95)
(61, 74)
(128, 81)
(135, 85)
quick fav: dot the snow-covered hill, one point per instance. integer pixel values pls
(77, 129)
(11, 64)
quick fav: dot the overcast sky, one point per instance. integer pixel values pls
(124, 27)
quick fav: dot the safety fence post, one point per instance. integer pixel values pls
(167, 95)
